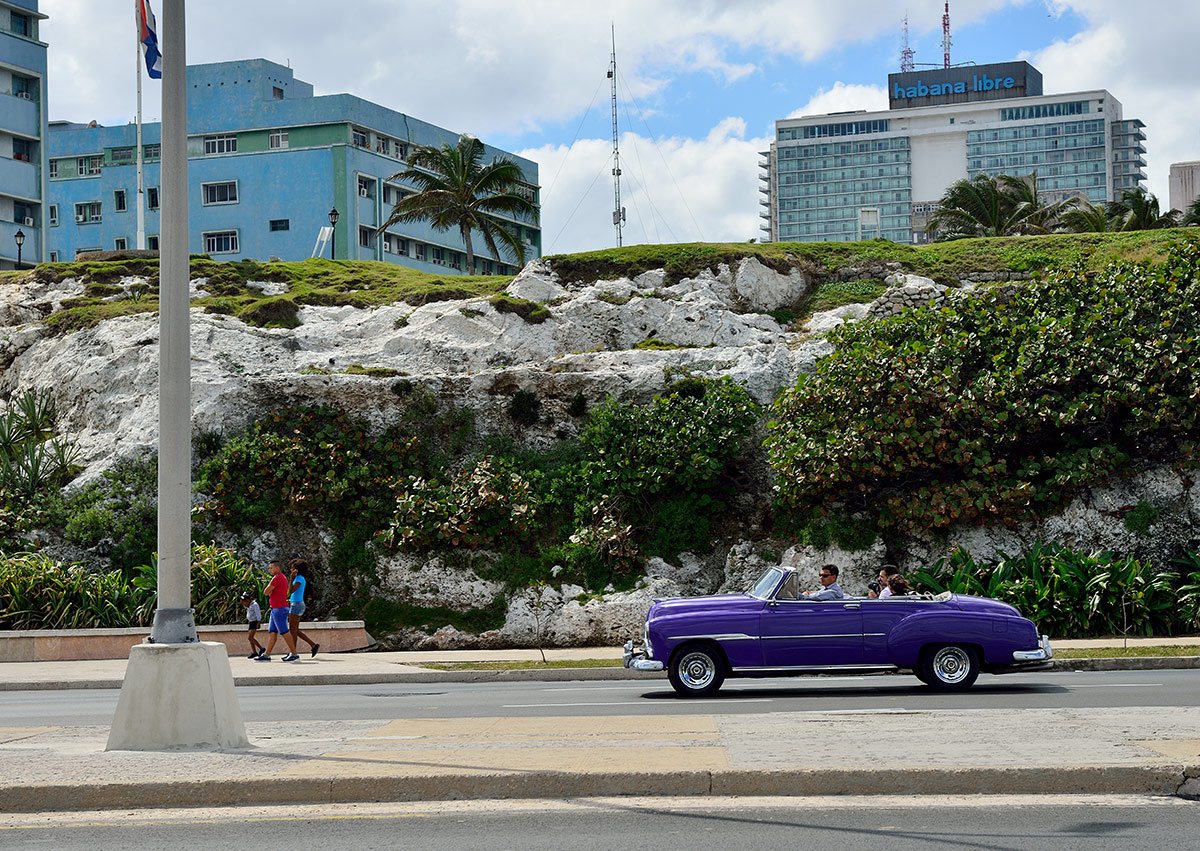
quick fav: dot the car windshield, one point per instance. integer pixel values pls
(766, 583)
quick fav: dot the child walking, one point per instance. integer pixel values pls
(253, 622)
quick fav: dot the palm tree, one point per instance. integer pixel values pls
(1139, 210)
(992, 206)
(456, 189)
(1192, 216)
(1085, 217)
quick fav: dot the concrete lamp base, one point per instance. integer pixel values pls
(177, 696)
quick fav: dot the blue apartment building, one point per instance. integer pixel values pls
(23, 133)
(268, 161)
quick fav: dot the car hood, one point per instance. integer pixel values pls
(686, 605)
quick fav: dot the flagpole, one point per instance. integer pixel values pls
(141, 183)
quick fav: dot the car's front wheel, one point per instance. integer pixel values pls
(696, 671)
(950, 667)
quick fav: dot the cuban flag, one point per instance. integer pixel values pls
(148, 36)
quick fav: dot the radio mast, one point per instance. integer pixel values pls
(946, 36)
(618, 215)
(907, 54)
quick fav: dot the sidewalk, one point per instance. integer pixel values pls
(405, 667)
(1036, 751)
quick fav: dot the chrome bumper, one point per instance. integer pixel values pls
(1042, 654)
(637, 661)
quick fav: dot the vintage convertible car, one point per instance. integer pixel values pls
(772, 631)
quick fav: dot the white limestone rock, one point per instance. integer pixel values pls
(827, 320)
(536, 283)
(268, 287)
(855, 569)
(429, 581)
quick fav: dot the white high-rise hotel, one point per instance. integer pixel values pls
(861, 175)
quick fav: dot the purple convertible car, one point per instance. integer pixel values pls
(771, 631)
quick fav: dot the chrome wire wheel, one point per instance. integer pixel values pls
(697, 670)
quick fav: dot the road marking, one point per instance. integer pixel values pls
(688, 702)
(1117, 685)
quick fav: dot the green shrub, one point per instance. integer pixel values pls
(383, 616)
(1140, 518)
(1066, 593)
(38, 593)
(531, 311)
(525, 408)
(219, 577)
(999, 406)
(120, 507)
(833, 294)
(481, 505)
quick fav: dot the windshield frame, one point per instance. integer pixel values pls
(765, 586)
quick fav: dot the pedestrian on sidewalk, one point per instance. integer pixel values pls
(253, 622)
(298, 570)
(277, 624)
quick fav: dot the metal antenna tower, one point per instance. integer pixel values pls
(618, 215)
(907, 54)
(946, 36)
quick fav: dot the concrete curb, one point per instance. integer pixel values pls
(560, 675)
(1167, 780)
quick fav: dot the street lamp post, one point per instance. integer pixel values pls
(334, 215)
(19, 236)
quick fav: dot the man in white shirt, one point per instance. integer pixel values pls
(885, 573)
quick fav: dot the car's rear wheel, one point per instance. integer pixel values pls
(949, 667)
(696, 670)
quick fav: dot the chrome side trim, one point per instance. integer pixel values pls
(789, 637)
(728, 636)
(816, 668)
(874, 635)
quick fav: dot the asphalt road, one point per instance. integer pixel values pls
(1058, 823)
(646, 698)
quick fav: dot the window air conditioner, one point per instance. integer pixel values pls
(28, 222)
(362, 191)
(24, 95)
(80, 218)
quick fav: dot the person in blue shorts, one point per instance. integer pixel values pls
(298, 570)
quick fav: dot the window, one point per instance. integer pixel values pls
(53, 256)
(277, 139)
(438, 255)
(119, 201)
(20, 24)
(87, 212)
(366, 237)
(277, 93)
(122, 156)
(358, 137)
(383, 145)
(152, 197)
(281, 224)
(152, 243)
(220, 193)
(53, 213)
(221, 242)
(152, 152)
(120, 243)
(53, 169)
(366, 187)
(420, 250)
(23, 213)
(225, 144)
(89, 165)
(22, 150)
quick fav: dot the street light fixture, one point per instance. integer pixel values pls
(334, 215)
(19, 236)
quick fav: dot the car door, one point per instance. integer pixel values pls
(878, 619)
(811, 633)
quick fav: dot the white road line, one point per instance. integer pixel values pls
(665, 703)
(1117, 685)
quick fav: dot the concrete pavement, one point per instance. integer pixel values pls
(1035, 751)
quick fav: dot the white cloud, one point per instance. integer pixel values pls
(1144, 54)
(843, 97)
(680, 190)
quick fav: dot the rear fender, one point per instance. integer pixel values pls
(996, 636)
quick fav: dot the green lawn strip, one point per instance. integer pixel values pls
(1138, 651)
(355, 283)
(941, 260)
(525, 665)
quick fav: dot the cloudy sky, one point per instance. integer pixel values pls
(701, 81)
